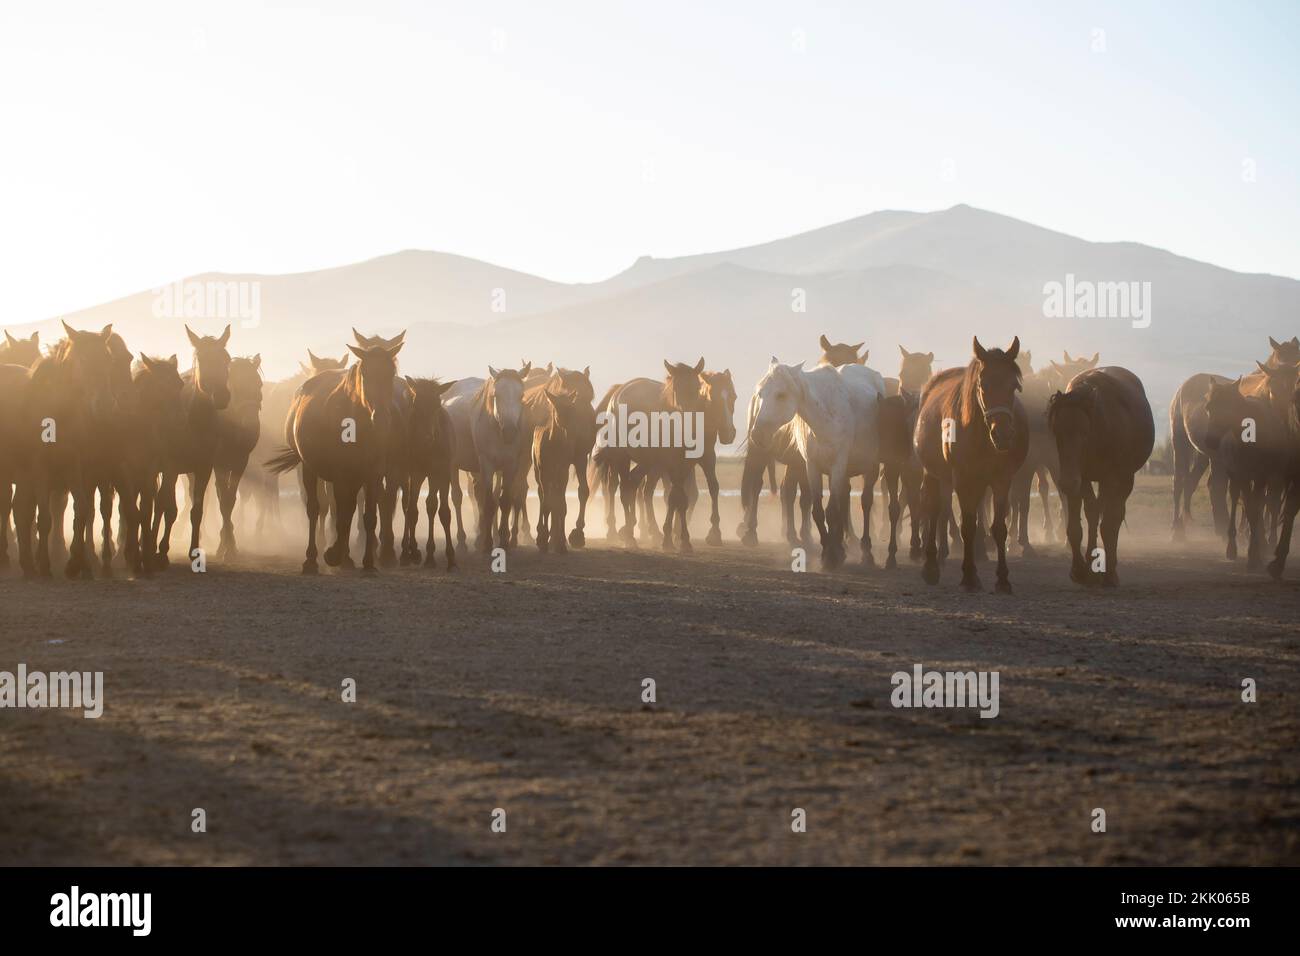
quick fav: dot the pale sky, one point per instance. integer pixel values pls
(143, 142)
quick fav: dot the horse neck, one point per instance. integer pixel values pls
(810, 406)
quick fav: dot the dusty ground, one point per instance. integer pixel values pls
(522, 691)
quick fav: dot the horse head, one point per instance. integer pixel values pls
(378, 341)
(579, 383)
(838, 354)
(246, 381)
(683, 385)
(720, 399)
(1284, 353)
(89, 356)
(1279, 385)
(158, 382)
(915, 370)
(776, 400)
(994, 377)
(318, 364)
(371, 380)
(505, 399)
(17, 351)
(212, 366)
(1225, 407)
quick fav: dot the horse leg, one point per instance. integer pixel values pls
(543, 515)
(789, 493)
(83, 508)
(165, 519)
(484, 495)
(1074, 533)
(1234, 493)
(1021, 496)
(198, 492)
(374, 497)
(1218, 496)
(629, 485)
(410, 553)
(444, 515)
(650, 522)
(837, 515)
(709, 465)
(1001, 499)
(1114, 499)
(578, 537)
(1091, 508)
(311, 501)
(676, 507)
(558, 507)
(819, 516)
(106, 533)
(58, 546)
(1183, 453)
(868, 500)
(1291, 505)
(6, 508)
(1256, 492)
(970, 497)
(895, 511)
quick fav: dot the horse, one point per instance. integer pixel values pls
(1104, 433)
(263, 486)
(338, 430)
(897, 416)
(239, 426)
(1193, 455)
(836, 429)
(840, 354)
(16, 448)
(555, 448)
(1253, 442)
(395, 452)
(25, 352)
(1059, 375)
(191, 436)
(431, 446)
(762, 458)
(67, 403)
(972, 435)
(1282, 355)
(156, 387)
(459, 403)
(102, 459)
(914, 371)
(1291, 498)
(1041, 462)
(495, 437)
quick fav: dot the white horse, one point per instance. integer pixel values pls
(835, 428)
(489, 436)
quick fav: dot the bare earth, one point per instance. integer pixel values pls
(522, 691)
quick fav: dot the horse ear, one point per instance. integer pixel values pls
(980, 352)
(392, 350)
(1096, 357)
(398, 339)
(72, 333)
(257, 361)
(929, 356)
(824, 343)
(311, 357)
(36, 338)
(699, 366)
(356, 351)
(306, 369)
(493, 372)
(1262, 367)
(361, 339)
(106, 331)
(194, 339)
(9, 338)
(528, 367)
(1015, 348)
(446, 385)
(904, 351)
(858, 346)
(147, 362)
(668, 366)
(225, 337)
(1274, 345)
(1295, 340)
(1068, 360)
(586, 373)
(550, 368)
(174, 361)
(863, 359)
(773, 362)
(409, 381)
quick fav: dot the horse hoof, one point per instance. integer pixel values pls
(561, 547)
(1079, 575)
(4, 562)
(577, 539)
(1275, 569)
(1002, 587)
(1028, 551)
(971, 585)
(388, 559)
(1231, 553)
(749, 539)
(868, 559)
(685, 548)
(891, 563)
(310, 567)
(665, 544)
(430, 562)
(347, 564)
(369, 569)
(1110, 580)
(543, 546)
(713, 537)
(930, 572)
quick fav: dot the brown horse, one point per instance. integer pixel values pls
(1188, 422)
(914, 372)
(157, 387)
(556, 448)
(190, 439)
(897, 421)
(1041, 462)
(431, 446)
(838, 354)
(1104, 433)
(396, 460)
(239, 427)
(1058, 375)
(559, 381)
(102, 462)
(971, 435)
(678, 396)
(25, 352)
(338, 430)
(16, 448)
(68, 403)
(1291, 498)
(1253, 442)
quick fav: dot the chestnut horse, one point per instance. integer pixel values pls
(338, 430)
(239, 426)
(430, 444)
(971, 435)
(191, 438)
(556, 447)
(1104, 433)
(395, 452)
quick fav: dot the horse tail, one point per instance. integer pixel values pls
(601, 472)
(286, 459)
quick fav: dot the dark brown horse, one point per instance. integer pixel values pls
(1250, 434)
(556, 446)
(1104, 433)
(431, 448)
(897, 422)
(157, 387)
(1193, 455)
(68, 403)
(1291, 497)
(239, 427)
(338, 430)
(971, 435)
(191, 436)
(396, 460)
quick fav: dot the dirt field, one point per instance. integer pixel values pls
(522, 691)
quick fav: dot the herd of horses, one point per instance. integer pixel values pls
(88, 416)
